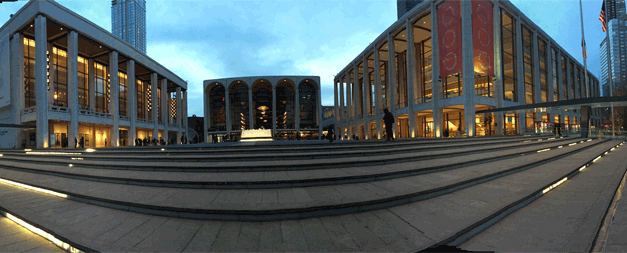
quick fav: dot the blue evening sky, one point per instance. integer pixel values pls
(208, 39)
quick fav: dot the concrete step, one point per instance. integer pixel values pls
(276, 165)
(280, 204)
(276, 179)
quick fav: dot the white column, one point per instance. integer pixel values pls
(549, 66)
(154, 83)
(251, 118)
(468, 68)
(520, 75)
(41, 82)
(228, 111)
(366, 97)
(91, 79)
(114, 104)
(392, 83)
(319, 107)
(498, 70)
(412, 78)
(377, 89)
(297, 98)
(164, 106)
(179, 114)
(184, 107)
(342, 110)
(435, 73)
(355, 99)
(273, 108)
(17, 84)
(131, 93)
(537, 85)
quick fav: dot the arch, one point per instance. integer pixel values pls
(237, 82)
(238, 105)
(217, 107)
(262, 104)
(285, 104)
(308, 97)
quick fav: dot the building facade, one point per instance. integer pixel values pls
(289, 105)
(446, 60)
(128, 21)
(69, 79)
(617, 30)
(403, 6)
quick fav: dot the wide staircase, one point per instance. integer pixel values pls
(404, 196)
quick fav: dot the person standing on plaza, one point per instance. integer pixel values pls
(82, 142)
(388, 119)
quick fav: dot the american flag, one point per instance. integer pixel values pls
(602, 17)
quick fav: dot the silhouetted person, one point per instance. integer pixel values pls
(161, 141)
(559, 129)
(75, 142)
(24, 143)
(154, 141)
(331, 135)
(388, 119)
(81, 144)
(146, 141)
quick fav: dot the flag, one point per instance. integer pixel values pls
(602, 18)
(583, 48)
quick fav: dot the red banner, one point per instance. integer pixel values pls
(482, 37)
(450, 37)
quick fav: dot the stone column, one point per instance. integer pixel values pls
(251, 118)
(366, 97)
(342, 110)
(41, 82)
(184, 107)
(412, 79)
(228, 111)
(468, 69)
(207, 117)
(498, 70)
(549, 66)
(520, 75)
(435, 74)
(154, 83)
(319, 107)
(179, 114)
(91, 83)
(164, 106)
(377, 89)
(337, 105)
(273, 109)
(537, 84)
(131, 93)
(392, 83)
(114, 104)
(355, 101)
(17, 84)
(297, 98)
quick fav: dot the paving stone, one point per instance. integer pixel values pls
(317, 237)
(270, 196)
(248, 240)
(205, 237)
(301, 195)
(270, 237)
(172, 236)
(293, 237)
(129, 224)
(227, 237)
(366, 240)
(286, 196)
(139, 233)
(386, 233)
(342, 239)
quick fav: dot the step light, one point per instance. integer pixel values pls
(572, 144)
(554, 185)
(43, 234)
(596, 159)
(90, 150)
(50, 153)
(582, 168)
(542, 150)
(33, 188)
(559, 146)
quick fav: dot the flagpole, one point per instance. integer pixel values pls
(609, 63)
(585, 68)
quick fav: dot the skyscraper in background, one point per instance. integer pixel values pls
(403, 6)
(616, 19)
(128, 21)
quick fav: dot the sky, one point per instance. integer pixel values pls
(210, 39)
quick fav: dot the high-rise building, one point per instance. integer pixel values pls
(403, 6)
(617, 28)
(128, 21)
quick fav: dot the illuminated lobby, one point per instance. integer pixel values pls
(286, 105)
(69, 79)
(443, 61)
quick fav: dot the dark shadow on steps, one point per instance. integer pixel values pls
(446, 248)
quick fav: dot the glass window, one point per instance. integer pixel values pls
(508, 44)
(556, 92)
(528, 65)
(29, 72)
(123, 95)
(59, 67)
(83, 83)
(544, 74)
(102, 87)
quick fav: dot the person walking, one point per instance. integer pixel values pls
(82, 142)
(331, 134)
(559, 129)
(388, 119)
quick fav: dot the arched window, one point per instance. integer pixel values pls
(285, 102)
(262, 104)
(308, 105)
(238, 106)
(217, 108)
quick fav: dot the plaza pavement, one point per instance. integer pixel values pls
(424, 199)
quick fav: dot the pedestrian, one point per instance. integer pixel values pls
(388, 119)
(559, 129)
(82, 142)
(75, 142)
(331, 135)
